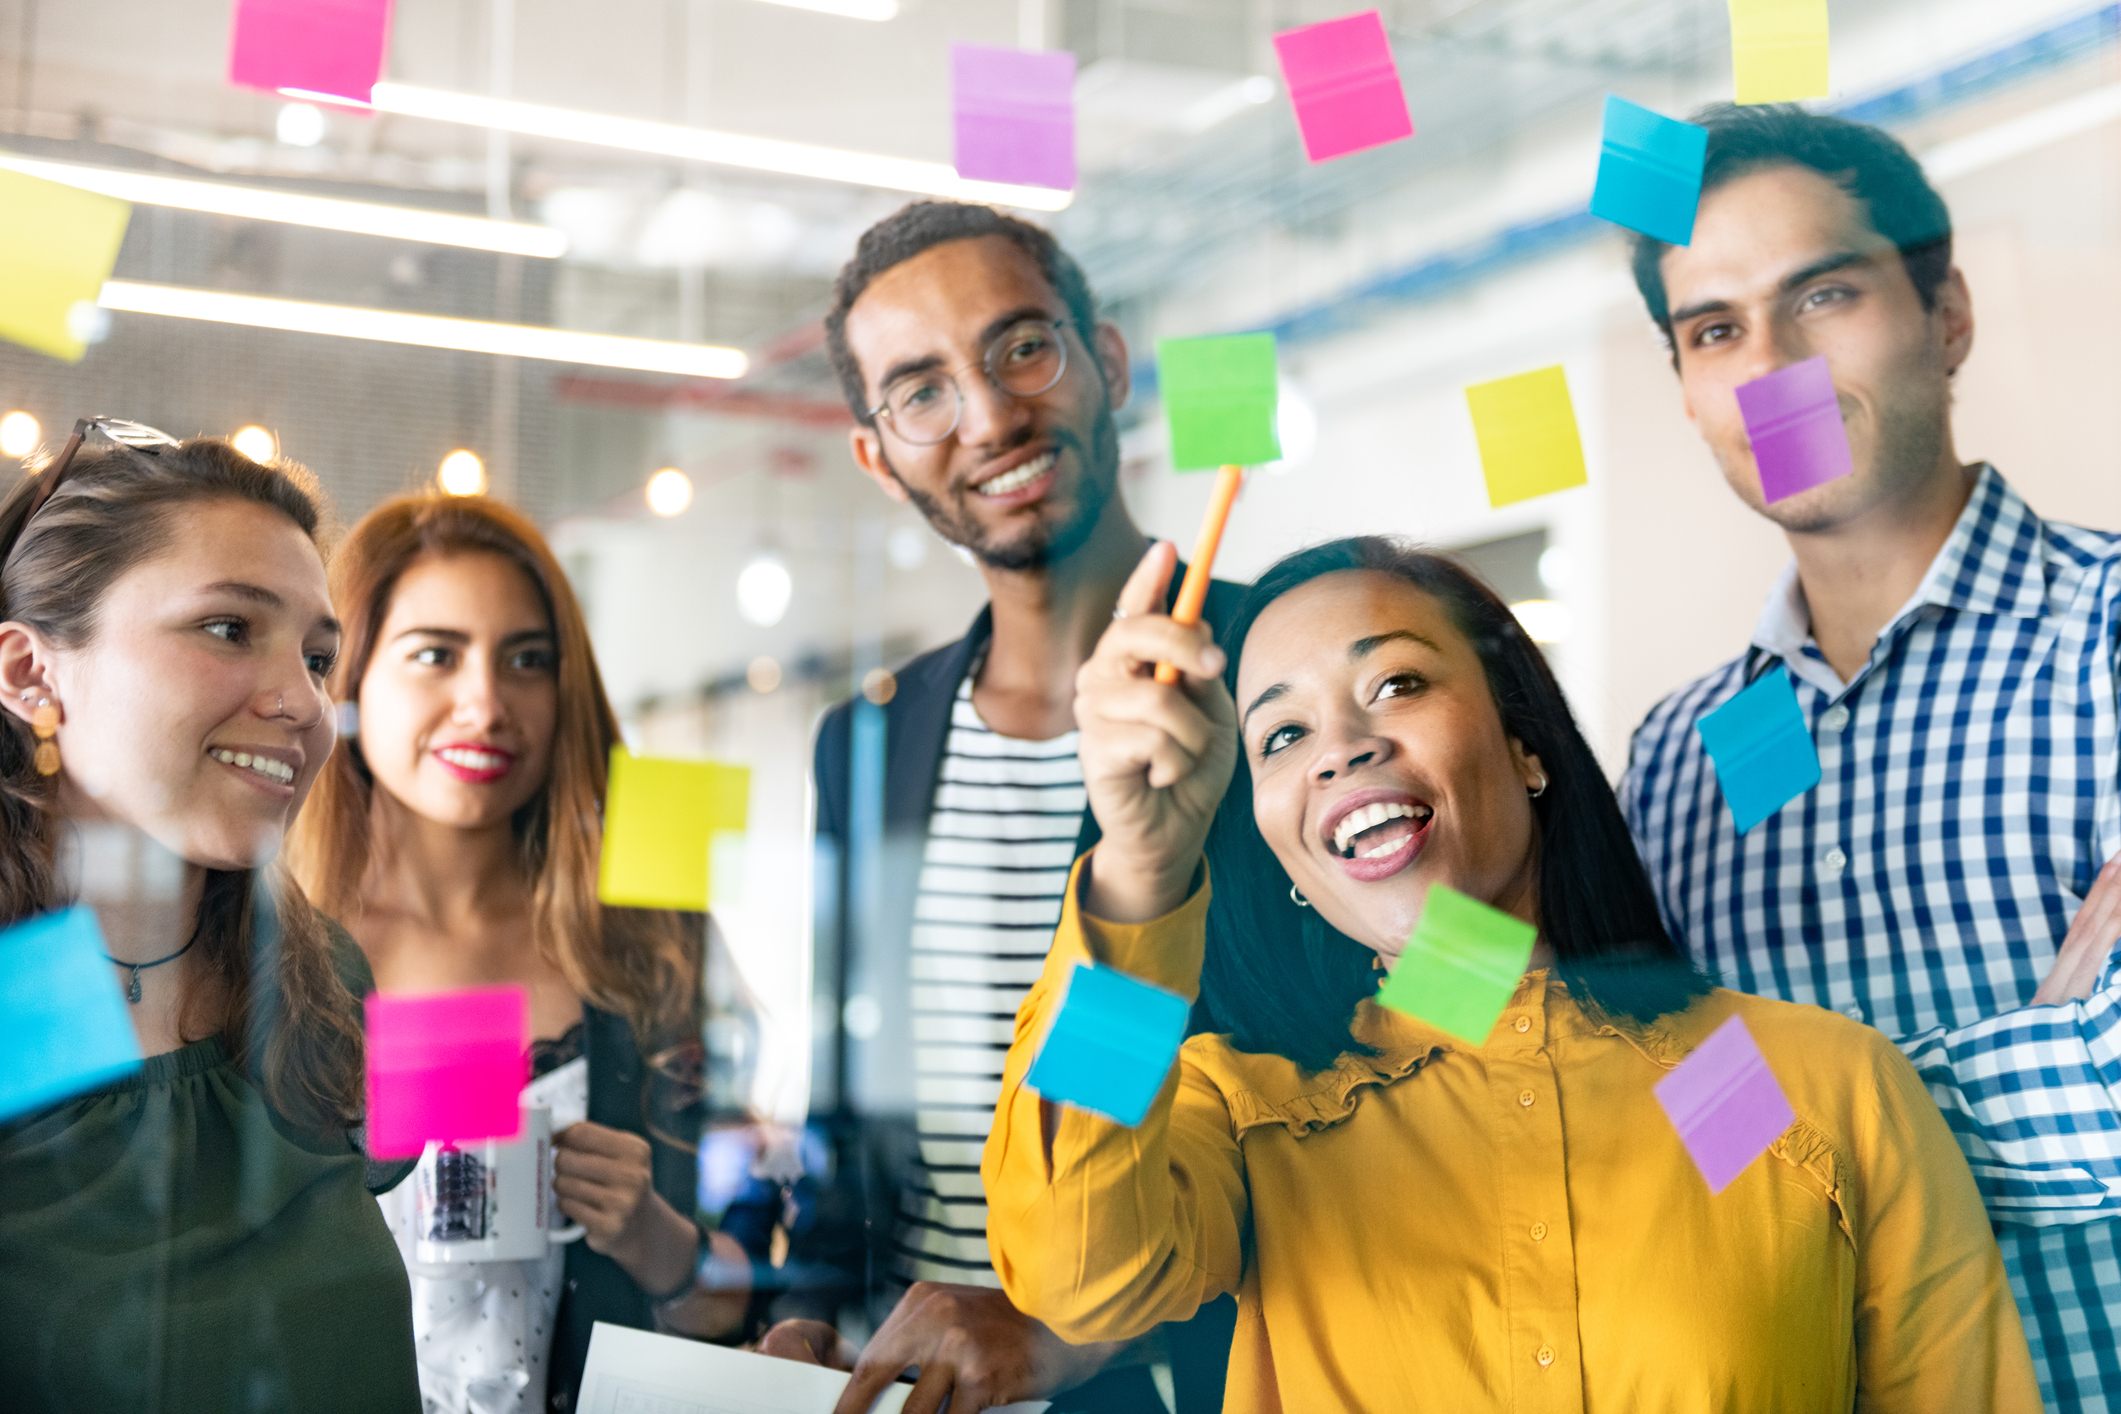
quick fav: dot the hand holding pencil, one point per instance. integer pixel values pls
(1193, 591)
(1156, 757)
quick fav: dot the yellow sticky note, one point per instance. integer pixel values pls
(661, 822)
(1778, 50)
(1527, 431)
(57, 245)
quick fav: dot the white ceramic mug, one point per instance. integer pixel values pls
(491, 1201)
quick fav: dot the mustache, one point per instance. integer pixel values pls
(1062, 438)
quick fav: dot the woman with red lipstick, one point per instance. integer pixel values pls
(1410, 1220)
(457, 836)
(197, 1234)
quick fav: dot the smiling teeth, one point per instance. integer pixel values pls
(1370, 816)
(472, 760)
(264, 765)
(1018, 479)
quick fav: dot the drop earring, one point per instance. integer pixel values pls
(44, 721)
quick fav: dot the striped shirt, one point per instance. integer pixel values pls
(1970, 790)
(1001, 837)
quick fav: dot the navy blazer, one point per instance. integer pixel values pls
(865, 920)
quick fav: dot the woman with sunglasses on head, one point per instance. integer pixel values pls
(1411, 1220)
(457, 835)
(199, 1235)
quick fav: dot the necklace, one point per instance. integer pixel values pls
(132, 987)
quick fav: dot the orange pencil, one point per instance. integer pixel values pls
(1193, 591)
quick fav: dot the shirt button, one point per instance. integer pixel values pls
(1524, 1097)
(1833, 862)
(1834, 718)
(1539, 1232)
(1524, 1023)
(1545, 1357)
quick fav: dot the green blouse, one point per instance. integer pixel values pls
(169, 1244)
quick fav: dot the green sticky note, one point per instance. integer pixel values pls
(57, 247)
(663, 821)
(1778, 50)
(1219, 396)
(1527, 431)
(1461, 966)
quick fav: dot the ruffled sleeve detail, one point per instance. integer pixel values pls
(1266, 1090)
(1807, 1149)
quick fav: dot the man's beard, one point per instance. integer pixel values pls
(1904, 455)
(1042, 544)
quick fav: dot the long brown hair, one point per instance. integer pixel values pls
(645, 965)
(262, 966)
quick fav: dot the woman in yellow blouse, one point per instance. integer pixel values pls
(1409, 1221)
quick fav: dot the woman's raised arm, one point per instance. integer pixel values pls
(1156, 756)
(1101, 1231)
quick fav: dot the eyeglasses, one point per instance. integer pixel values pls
(925, 407)
(136, 435)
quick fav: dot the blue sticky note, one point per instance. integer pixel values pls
(1111, 1044)
(63, 1027)
(1649, 172)
(1764, 754)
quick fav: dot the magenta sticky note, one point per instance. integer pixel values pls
(1794, 421)
(1344, 85)
(1014, 112)
(448, 1067)
(333, 48)
(1725, 1104)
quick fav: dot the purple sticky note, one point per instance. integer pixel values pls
(448, 1068)
(1725, 1104)
(1014, 115)
(1794, 420)
(1344, 85)
(332, 48)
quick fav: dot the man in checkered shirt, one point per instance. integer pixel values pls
(1958, 663)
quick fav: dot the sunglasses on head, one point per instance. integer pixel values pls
(136, 435)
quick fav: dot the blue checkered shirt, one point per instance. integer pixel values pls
(1970, 790)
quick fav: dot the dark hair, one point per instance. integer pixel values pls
(919, 226)
(290, 1019)
(1868, 163)
(1597, 908)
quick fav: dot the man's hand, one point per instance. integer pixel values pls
(2092, 934)
(810, 1343)
(974, 1350)
(604, 1181)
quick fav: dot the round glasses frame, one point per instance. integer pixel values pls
(922, 438)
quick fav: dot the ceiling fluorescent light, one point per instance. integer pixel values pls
(327, 213)
(2026, 133)
(427, 330)
(797, 159)
(852, 9)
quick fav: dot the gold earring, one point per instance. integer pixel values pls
(45, 723)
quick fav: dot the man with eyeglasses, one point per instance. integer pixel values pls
(950, 804)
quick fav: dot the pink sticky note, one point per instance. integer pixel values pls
(1344, 84)
(1725, 1104)
(333, 48)
(449, 1068)
(1794, 421)
(1014, 115)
